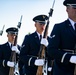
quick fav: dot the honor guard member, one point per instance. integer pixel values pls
(6, 49)
(31, 45)
(62, 44)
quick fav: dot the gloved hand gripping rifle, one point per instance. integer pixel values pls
(15, 70)
(42, 70)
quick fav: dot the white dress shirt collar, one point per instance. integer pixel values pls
(9, 44)
(72, 23)
(38, 35)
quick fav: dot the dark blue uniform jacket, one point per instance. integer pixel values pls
(5, 53)
(61, 48)
(29, 52)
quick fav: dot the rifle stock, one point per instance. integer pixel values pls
(40, 68)
(12, 69)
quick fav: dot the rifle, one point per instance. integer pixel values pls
(1, 32)
(42, 70)
(15, 70)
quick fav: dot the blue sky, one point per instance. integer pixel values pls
(11, 11)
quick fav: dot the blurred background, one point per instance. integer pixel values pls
(11, 11)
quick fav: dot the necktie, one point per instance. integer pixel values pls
(75, 26)
(40, 37)
(11, 45)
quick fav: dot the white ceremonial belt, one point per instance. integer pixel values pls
(69, 51)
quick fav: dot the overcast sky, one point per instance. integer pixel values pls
(11, 11)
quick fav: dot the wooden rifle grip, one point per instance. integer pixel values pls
(40, 68)
(12, 69)
(75, 70)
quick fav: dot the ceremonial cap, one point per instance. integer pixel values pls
(40, 18)
(12, 30)
(70, 2)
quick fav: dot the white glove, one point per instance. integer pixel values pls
(73, 59)
(44, 41)
(14, 48)
(49, 69)
(39, 62)
(10, 64)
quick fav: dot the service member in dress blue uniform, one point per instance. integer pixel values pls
(31, 45)
(63, 41)
(5, 51)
